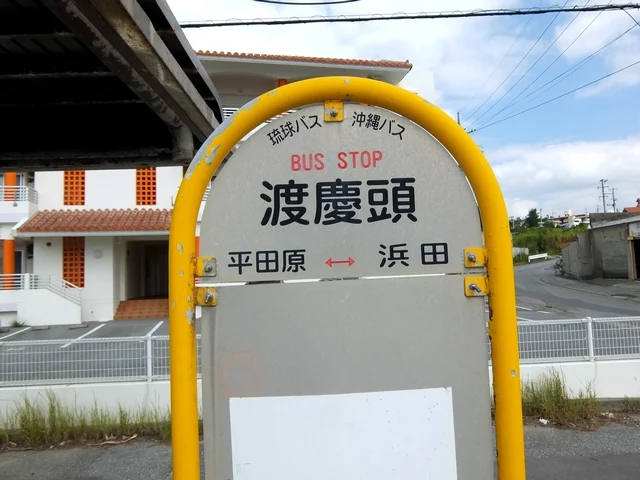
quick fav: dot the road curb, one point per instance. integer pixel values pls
(606, 295)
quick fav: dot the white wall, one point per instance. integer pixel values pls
(5, 231)
(47, 260)
(608, 379)
(98, 293)
(40, 307)
(50, 187)
(614, 379)
(130, 395)
(167, 183)
(110, 189)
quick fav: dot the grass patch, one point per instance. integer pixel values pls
(520, 259)
(549, 398)
(49, 422)
(630, 405)
(545, 240)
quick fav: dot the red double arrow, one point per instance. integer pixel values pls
(331, 262)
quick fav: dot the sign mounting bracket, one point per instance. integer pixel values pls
(475, 257)
(333, 111)
(476, 286)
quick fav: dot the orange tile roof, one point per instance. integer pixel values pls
(632, 210)
(296, 58)
(117, 220)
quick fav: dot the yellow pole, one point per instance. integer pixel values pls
(502, 326)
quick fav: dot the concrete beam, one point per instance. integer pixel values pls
(120, 159)
(122, 36)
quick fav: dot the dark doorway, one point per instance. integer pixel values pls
(636, 258)
(147, 269)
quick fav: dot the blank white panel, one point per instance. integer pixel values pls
(405, 434)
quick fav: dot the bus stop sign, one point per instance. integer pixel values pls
(351, 347)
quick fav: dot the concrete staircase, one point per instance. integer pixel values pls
(143, 308)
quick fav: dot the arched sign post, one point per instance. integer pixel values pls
(381, 372)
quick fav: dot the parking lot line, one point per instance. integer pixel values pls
(155, 328)
(82, 336)
(15, 333)
(524, 308)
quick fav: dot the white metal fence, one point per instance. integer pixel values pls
(31, 281)
(18, 194)
(69, 361)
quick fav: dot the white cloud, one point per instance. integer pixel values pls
(460, 53)
(604, 29)
(565, 176)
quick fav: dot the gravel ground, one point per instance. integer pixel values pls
(611, 452)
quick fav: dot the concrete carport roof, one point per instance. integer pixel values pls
(99, 84)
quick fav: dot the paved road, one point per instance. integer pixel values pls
(539, 289)
(611, 453)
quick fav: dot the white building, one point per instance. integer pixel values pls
(570, 220)
(81, 246)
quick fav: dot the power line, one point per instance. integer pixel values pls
(503, 12)
(503, 59)
(632, 17)
(557, 98)
(515, 99)
(567, 73)
(516, 67)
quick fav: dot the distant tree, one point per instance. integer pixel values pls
(517, 224)
(533, 219)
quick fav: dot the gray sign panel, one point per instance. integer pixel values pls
(371, 195)
(300, 342)
(366, 378)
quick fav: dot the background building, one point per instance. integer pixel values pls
(92, 245)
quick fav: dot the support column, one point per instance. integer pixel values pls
(10, 180)
(8, 263)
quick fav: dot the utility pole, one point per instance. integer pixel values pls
(613, 199)
(458, 118)
(604, 195)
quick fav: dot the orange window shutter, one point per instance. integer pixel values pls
(74, 187)
(73, 260)
(146, 186)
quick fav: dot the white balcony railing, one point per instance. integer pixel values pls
(31, 281)
(18, 194)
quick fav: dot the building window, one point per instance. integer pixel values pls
(73, 260)
(74, 185)
(146, 186)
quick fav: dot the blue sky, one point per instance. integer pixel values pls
(550, 158)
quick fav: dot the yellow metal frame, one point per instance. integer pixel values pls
(182, 256)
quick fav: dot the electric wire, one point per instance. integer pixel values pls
(235, 22)
(515, 99)
(566, 74)
(516, 67)
(501, 61)
(558, 97)
(632, 17)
